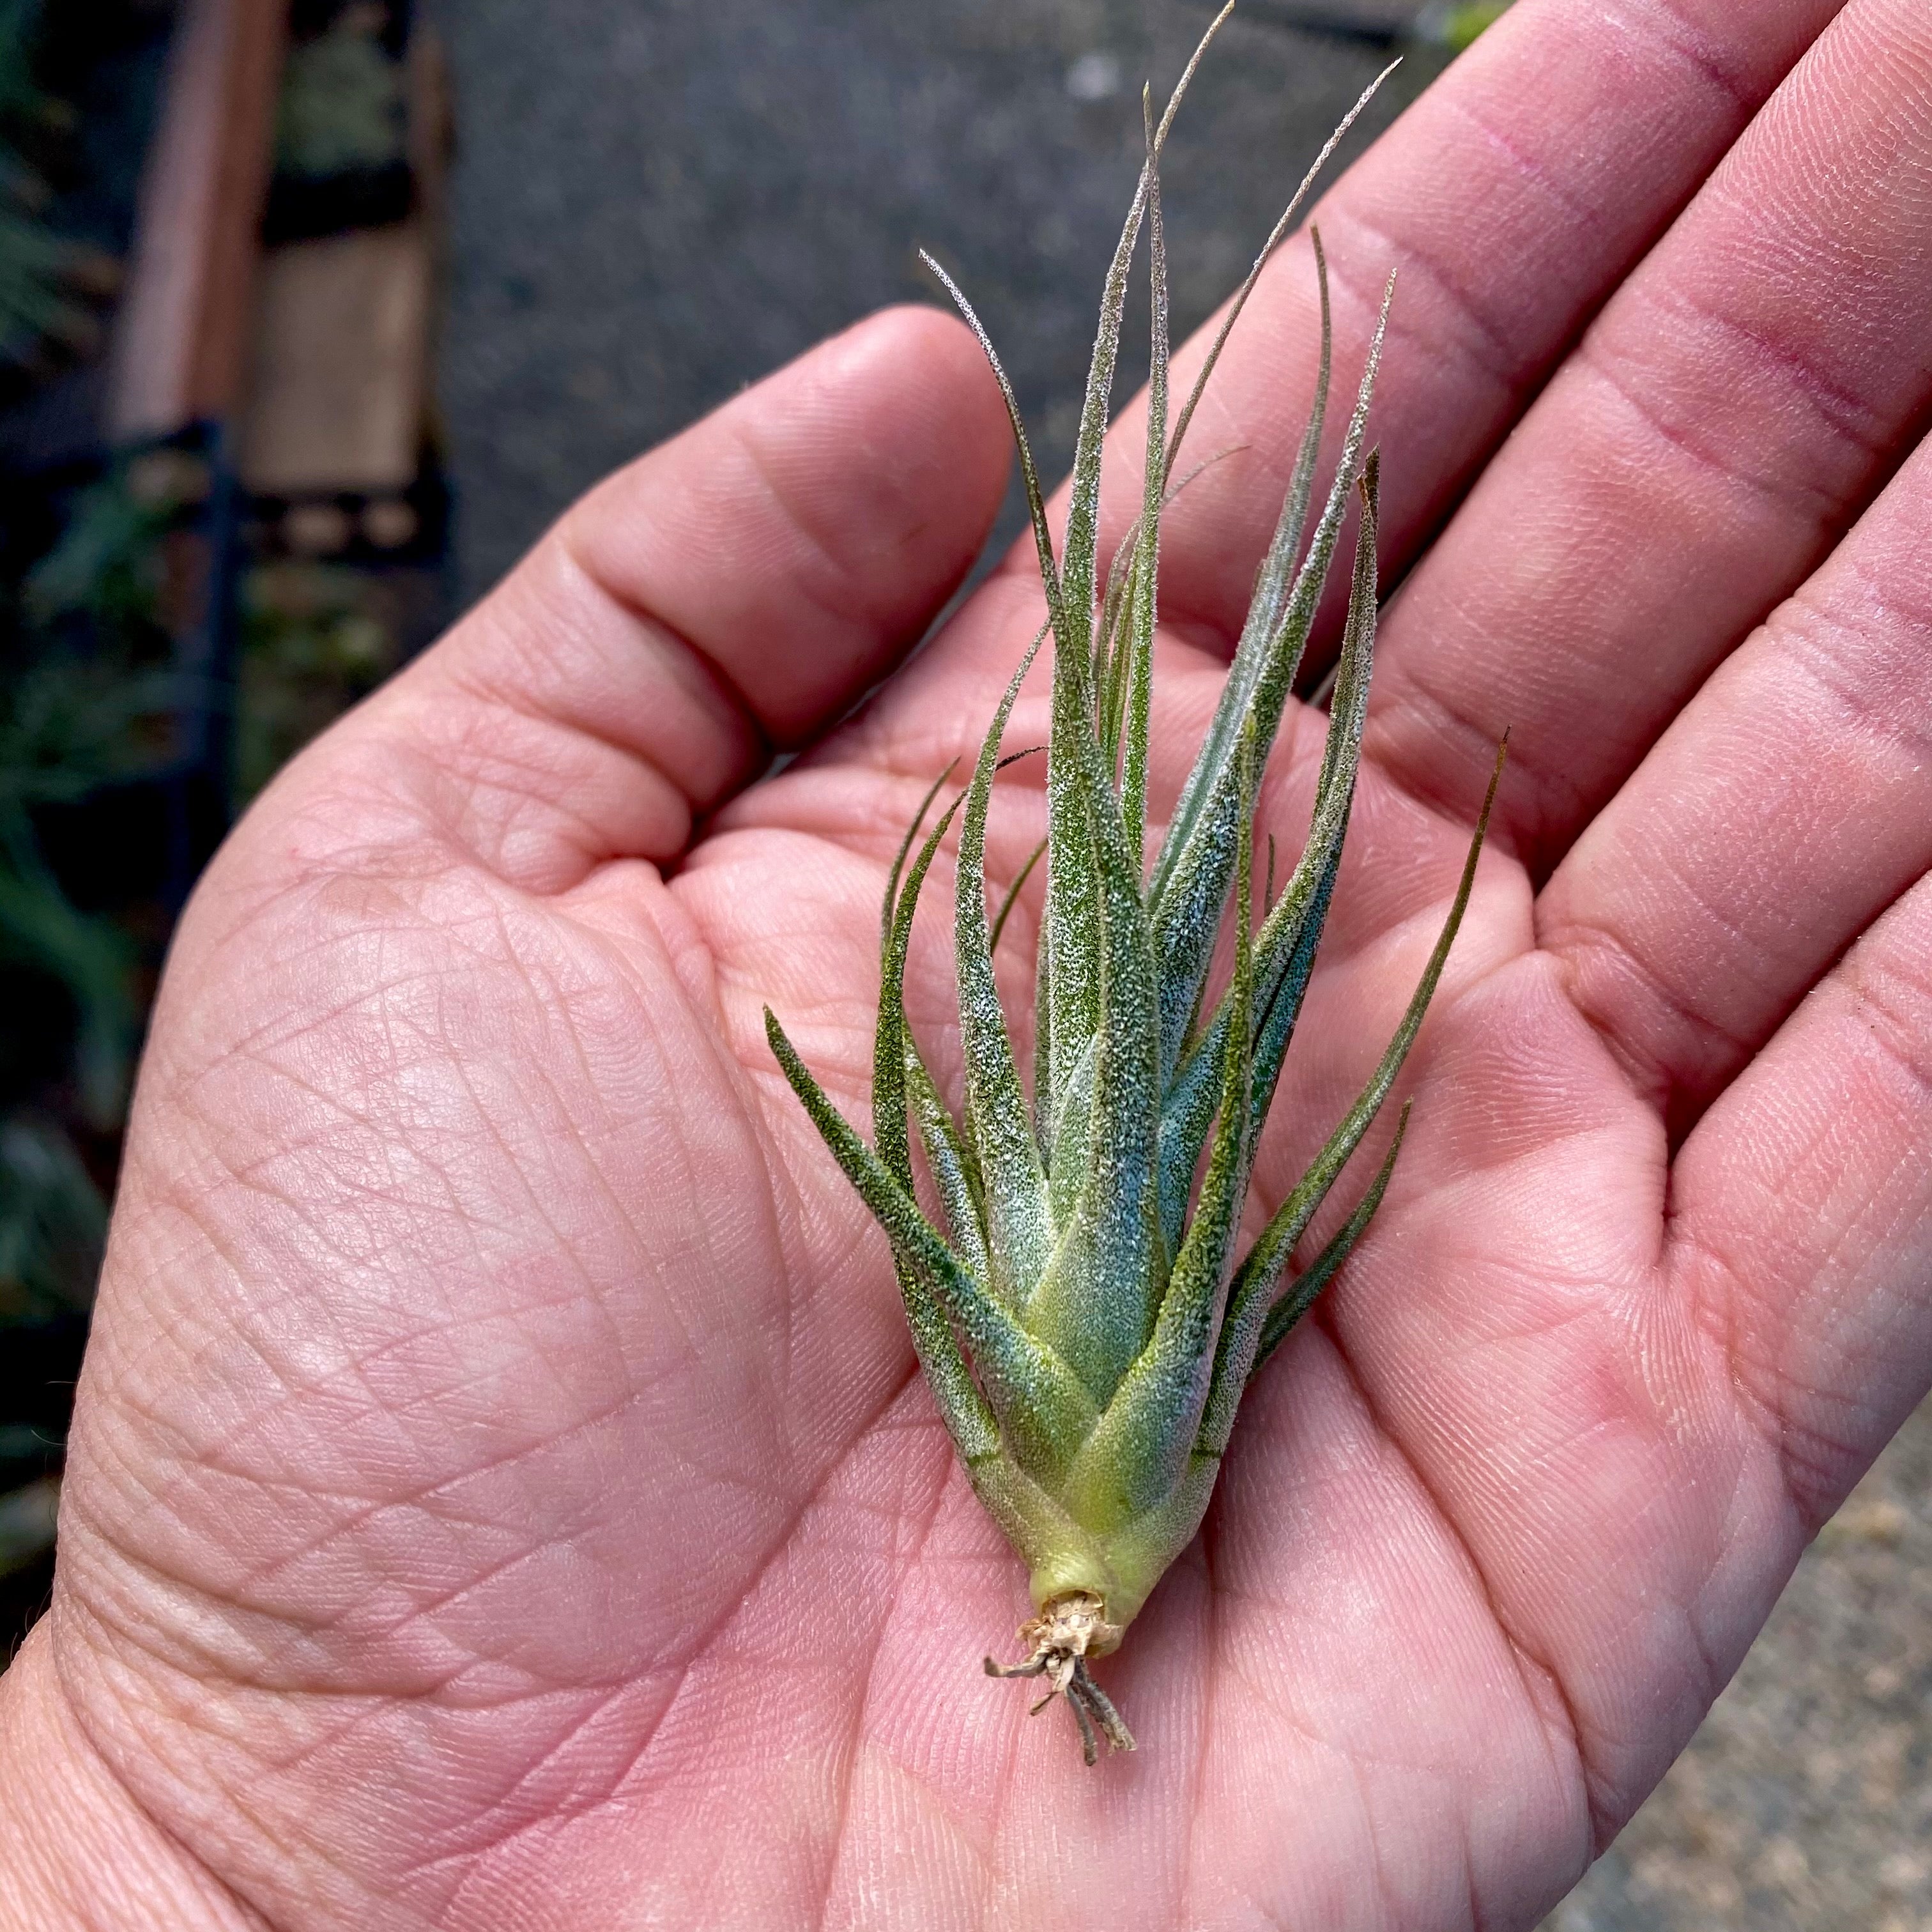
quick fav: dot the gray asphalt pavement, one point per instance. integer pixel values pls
(656, 202)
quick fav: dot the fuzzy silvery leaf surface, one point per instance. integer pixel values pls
(1080, 1311)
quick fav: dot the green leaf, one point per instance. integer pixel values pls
(1258, 1276)
(1190, 1107)
(1042, 1044)
(1012, 895)
(1073, 645)
(1072, 1010)
(1111, 648)
(1096, 1301)
(969, 1420)
(1035, 504)
(1019, 1226)
(1070, 1132)
(1191, 879)
(1042, 1410)
(1145, 603)
(1188, 1110)
(1285, 983)
(891, 1041)
(956, 1177)
(1083, 516)
(1112, 653)
(892, 898)
(1276, 237)
(1271, 585)
(1292, 930)
(1140, 1447)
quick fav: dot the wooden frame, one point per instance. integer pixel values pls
(182, 342)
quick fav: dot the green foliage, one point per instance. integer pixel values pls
(70, 722)
(311, 646)
(75, 716)
(92, 961)
(108, 564)
(58, 733)
(37, 305)
(1084, 1321)
(23, 103)
(342, 107)
(38, 268)
(52, 1221)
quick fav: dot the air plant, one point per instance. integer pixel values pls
(1083, 1322)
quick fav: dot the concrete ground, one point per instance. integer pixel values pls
(657, 201)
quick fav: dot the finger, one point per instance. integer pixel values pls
(1512, 198)
(1781, 814)
(1740, 398)
(733, 590)
(1803, 1228)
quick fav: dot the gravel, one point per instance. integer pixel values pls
(1804, 1803)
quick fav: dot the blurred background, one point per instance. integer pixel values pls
(313, 314)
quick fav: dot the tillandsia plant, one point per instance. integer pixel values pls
(1082, 1321)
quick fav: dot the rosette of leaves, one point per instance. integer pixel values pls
(1082, 1317)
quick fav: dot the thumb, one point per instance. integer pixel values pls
(734, 589)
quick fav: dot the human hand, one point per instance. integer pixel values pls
(500, 1493)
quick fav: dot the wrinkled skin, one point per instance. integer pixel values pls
(501, 1493)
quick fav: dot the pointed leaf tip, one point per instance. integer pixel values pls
(1035, 502)
(888, 910)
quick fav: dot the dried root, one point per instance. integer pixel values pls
(1063, 1634)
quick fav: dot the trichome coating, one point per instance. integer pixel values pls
(1081, 1320)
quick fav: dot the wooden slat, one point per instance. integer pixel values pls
(182, 336)
(432, 121)
(339, 387)
(341, 364)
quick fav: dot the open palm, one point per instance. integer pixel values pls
(503, 1494)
